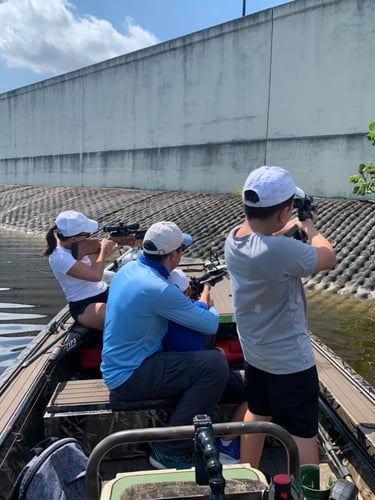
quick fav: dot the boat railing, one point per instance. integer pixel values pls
(93, 483)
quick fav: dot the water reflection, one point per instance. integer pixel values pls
(347, 326)
(10, 305)
(10, 349)
(28, 291)
(13, 316)
(17, 329)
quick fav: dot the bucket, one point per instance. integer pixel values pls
(310, 482)
(242, 481)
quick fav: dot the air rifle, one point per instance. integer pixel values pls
(122, 234)
(211, 277)
(305, 207)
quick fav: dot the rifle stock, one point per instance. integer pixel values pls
(92, 246)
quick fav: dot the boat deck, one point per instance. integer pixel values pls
(341, 391)
(350, 400)
(15, 390)
(355, 409)
(352, 404)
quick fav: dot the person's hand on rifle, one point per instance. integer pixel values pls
(291, 223)
(296, 223)
(108, 247)
(305, 226)
(138, 244)
(206, 296)
(105, 249)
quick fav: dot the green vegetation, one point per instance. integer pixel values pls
(364, 181)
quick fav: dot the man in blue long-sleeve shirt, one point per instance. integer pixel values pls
(141, 302)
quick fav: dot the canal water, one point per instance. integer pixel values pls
(30, 297)
(29, 293)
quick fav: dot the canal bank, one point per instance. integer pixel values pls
(348, 224)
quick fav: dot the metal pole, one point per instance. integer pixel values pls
(243, 7)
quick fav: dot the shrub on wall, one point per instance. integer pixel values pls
(364, 181)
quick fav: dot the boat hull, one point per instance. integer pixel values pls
(32, 396)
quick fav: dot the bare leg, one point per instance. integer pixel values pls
(308, 450)
(93, 316)
(252, 444)
(238, 416)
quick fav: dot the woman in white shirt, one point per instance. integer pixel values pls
(81, 280)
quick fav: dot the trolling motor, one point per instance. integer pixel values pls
(305, 207)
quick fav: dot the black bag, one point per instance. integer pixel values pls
(57, 472)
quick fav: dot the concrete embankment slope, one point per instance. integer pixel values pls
(348, 224)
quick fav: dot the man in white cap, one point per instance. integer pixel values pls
(266, 268)
(141, 302)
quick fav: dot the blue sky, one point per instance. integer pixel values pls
(44, 38)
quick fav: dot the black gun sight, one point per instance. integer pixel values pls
(122, 228)
(304, 207)
(125, 230)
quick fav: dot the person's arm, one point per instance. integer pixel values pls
(95, 271)
(206, 297)
(174, 306)
(288, 225)
(326, 253)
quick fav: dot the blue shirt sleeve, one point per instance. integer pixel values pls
(174, 306)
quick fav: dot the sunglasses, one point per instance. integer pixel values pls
(86, 235)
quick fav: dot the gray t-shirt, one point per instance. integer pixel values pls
(269, 300)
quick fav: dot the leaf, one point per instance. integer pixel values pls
(365, 179)
(361, 167)
(353, 179)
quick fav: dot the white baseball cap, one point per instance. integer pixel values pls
(273, 185)
(164, 237)
(179, 278)
(72, 223)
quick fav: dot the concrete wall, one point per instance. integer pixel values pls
(290, 86)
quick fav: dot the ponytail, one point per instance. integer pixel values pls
(51, 241)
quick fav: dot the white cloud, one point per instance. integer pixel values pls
(46, 37)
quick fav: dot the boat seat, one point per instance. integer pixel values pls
(117, 404)
(84, 409)
(78, 396)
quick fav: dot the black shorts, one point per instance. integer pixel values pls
(76, 308)
(234, 391)
(291, 400)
